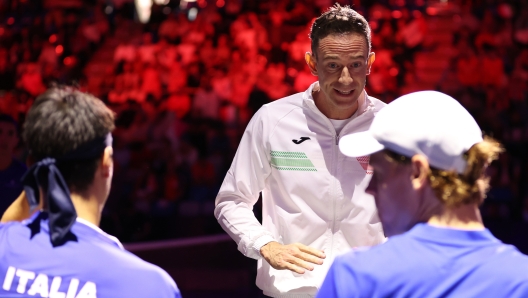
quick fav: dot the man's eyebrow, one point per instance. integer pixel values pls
(331, 57)
(336, 57)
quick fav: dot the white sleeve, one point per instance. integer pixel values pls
(241, 187)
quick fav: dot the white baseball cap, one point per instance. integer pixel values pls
(428, 123)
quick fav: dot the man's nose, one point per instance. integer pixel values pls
(345, 77)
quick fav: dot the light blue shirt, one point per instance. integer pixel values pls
(429, 261)
(95, 266)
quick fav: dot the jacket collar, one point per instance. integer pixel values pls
(99, 231)
(79, 223)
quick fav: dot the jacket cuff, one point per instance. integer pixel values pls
(261, 242)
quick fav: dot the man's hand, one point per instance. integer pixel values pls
(295, 257)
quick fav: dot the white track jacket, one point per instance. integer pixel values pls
(311, 192)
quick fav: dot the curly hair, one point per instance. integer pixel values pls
(454, 189)
(339, 20)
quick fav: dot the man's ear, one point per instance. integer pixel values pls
(310, 60)
(370, 61)
(420, 171)
(107, 162)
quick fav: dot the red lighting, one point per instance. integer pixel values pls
(292, 72)
(220, 3)
(417, 14)
(11, 21)
(373, 25)
(2, 31)
(59, 49)
(53, 38)
(393, 71)
(69, 61)
(202, 3)
(397, 14)
(377, 14)
(431, 11)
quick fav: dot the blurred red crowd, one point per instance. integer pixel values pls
(184, 87)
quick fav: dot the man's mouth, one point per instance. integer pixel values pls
(344, 92)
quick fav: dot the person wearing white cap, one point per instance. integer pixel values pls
(429, 160)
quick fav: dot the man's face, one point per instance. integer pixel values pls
(8, 138)
(342, 62)
(396, 200)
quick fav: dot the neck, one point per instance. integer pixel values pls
(5, 161)
(333, 111)
(465, 217)
(87, 207)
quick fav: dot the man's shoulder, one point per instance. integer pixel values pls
(377, 104)
(134, 262)
(507, 260)
(10, 227)
(373, 260)
(366, 267)
(288, 102)
(279, 109)
(124, 258)
(139, 272)
(154, 275)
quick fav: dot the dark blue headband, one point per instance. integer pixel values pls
(61, 211)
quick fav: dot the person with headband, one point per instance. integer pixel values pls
(60, 251)
(429, 160)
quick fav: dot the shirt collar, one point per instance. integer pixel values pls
(86, 223)
(450, 235)
(98, 230)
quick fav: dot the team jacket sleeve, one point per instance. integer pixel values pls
(241, 187)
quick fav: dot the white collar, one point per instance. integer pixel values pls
(98, 230)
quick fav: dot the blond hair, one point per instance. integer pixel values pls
(455, 189)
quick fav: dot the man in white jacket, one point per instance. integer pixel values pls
(314, 201)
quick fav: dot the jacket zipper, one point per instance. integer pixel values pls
(335, 153)
(335, 156)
